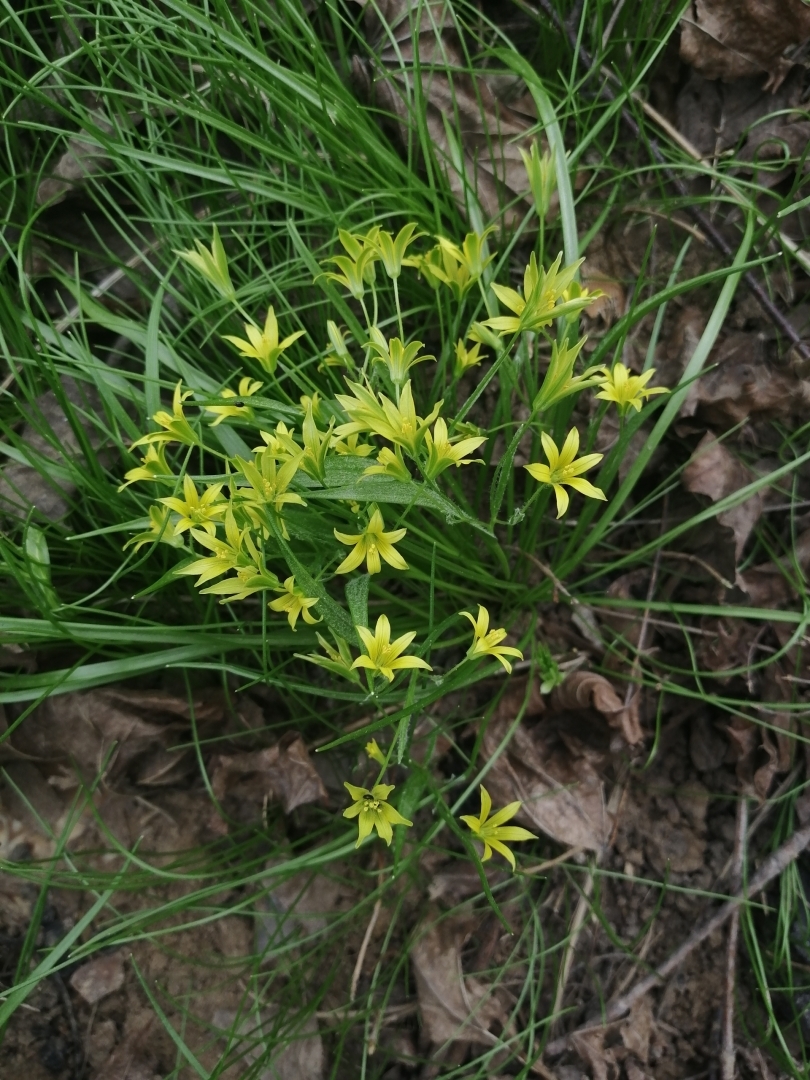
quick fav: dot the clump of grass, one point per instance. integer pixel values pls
(243, 117)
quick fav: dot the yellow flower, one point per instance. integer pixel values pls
(560, 381)
(350, 447)
(372, 544)
(295, 603)
(176, 427)
(382, 654)
(337, 354)
(237, 552)
(443, 452)
(486, 642)
(338, 661)
(375, 753)
(542, 177)
(492, 831)
(213, 264)
(389, 463)
(467, 358)
(358, 265)
(397, 423)
(391, 250)
(457, 267)
(398, 358)
(628, 391)
(161, 528)
(152, 467)
(542, 289)
(268, 488)
(564, 468)
(264, 345)
(195, 510)
(373, 811)
(280, 444)
(316, 444)
(247, 388)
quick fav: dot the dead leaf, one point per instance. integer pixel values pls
(589, 690)
(726, 39)
(283, 772)
(82, 159)
(636, 1030)
(95, 732)
(771, 584)
(452, 1006)
(300, 903)
(487, 163)
(301, 1056)
(610, 306)
(134, 1058)
(48, 437)
(591, 1048)
(744, 386)
(562, 794)
(714, 471)
(99, 977)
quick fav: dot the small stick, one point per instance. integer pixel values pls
(728, 1054)
(361, 956)
(771, 868)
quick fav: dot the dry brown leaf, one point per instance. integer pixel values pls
(591, 1048)
(744, 386)
(134, 1058)
(283, 772)
(490, 132)
(452, 1006)
(301, 1058)
(771, 584)
(589, 690)
(301, 902)
(99, 977)
(81, 160)
(95, 731)
(562, 794)
(637, 1029)
(47, 439)
(726, 39)
(714, 471)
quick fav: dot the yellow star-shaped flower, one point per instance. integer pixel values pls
(626, 390)
(372, 544)
(564, 468)
(486, 642)
(295, 602)
(263, 345)
(373, 811)
(382, 654)
(492, 831)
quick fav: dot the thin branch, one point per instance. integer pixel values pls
(771, 868)
(728, 1054)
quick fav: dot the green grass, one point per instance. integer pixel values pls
(243, 116)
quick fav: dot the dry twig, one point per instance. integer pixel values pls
(771, 868)
(728, 1053)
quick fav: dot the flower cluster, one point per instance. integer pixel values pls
(325, 492)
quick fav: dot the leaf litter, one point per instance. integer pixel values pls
(564, 760)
